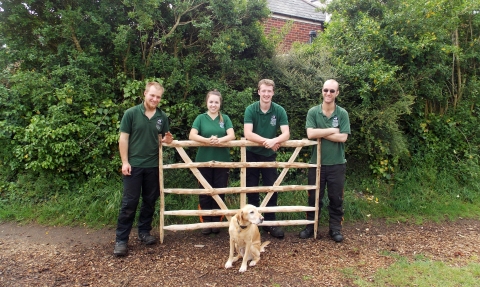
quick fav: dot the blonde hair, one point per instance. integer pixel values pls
(266, 82)
(158, 86)
(215, 93)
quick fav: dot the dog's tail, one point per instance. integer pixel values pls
(264, 244)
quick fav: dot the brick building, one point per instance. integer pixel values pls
(305, 19)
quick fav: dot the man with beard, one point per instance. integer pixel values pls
(140, 128)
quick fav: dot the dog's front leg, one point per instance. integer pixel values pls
(255, 256)
(230, 257)
(246, 256)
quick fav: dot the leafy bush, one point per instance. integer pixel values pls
(411, 91)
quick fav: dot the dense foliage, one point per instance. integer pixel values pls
(73, 67)
(409, 78)
(412, 74)
(408, 72)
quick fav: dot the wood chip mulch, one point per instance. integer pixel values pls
(33, 255)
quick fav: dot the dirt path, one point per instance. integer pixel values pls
(32, 255)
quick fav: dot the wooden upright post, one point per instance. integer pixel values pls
(243, 175)
(162, 194)
(317, 183)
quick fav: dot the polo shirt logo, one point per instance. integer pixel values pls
(273, 121)
(335, 122)
(159, 125)
(222, 125)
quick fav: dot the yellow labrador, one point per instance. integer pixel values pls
(245, 237)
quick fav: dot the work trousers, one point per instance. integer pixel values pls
(269, 176)
(142, 182)
(217, 178)
(332, 178)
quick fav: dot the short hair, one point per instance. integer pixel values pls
(157, 85)
(266, 82)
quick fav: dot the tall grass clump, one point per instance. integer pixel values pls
(423, 191)
(95, 203)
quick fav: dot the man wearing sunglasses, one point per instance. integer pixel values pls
(330, 123)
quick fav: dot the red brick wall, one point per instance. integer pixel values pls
(300, 31)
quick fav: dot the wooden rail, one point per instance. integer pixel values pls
(242, 189)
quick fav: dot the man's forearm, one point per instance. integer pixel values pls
(320, 133)
(337, 137)
(123, 147)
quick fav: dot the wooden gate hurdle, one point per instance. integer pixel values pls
(242, 189)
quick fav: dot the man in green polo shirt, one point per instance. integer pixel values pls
(140, 128)
(330, 123)
(262, 121)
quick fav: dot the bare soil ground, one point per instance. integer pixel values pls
(32, 255)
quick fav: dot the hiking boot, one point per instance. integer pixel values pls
(307, 232)
(274, 231)
(336, 235)
(147, 239)
(206, 231)
(120, 249)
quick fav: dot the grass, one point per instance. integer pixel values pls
(417, 195)
(424, 273)
(96, 203)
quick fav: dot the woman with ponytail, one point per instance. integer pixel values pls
(212, 128)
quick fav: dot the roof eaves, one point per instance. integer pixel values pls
(308, 20)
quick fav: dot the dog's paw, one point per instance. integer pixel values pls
(242, 269)
(252, 263)
(228, 264)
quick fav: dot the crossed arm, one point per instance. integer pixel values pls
(331, 134)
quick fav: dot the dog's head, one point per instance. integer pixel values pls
(250, 213)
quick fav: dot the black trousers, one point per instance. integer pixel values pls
(217, 178)
(269, 176)
(332, 178)
(144, 182)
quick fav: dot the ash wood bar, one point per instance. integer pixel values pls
(242, 190)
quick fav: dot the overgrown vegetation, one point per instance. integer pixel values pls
(408, 72)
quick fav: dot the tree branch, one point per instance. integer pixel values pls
(75, 40)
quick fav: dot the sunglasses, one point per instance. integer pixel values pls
(331, 91)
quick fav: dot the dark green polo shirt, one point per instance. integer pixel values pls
(143, 139)
(207, 127)
(332, 152)
(265, 124)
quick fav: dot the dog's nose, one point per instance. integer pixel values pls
(261, 219)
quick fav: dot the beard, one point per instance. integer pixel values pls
(150, 105)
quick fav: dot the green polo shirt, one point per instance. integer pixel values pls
(207, 127)
(332, 152)
(265, 124)
(143, 135)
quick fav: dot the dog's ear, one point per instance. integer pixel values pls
(240, 214)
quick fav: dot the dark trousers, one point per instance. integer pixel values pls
(217, 178)
(332, 178)
(144, 182)
(269, 176)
